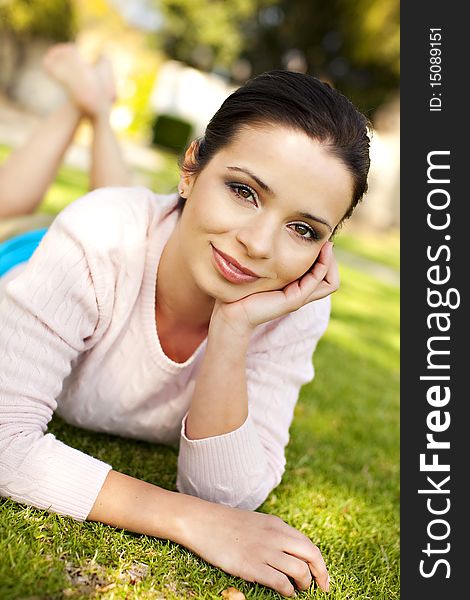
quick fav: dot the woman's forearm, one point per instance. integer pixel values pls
(220, 401)
(129, 503)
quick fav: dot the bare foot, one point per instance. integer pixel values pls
(64, 63)
(104, 73)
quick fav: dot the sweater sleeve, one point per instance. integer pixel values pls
(49, 314)
(242, 467)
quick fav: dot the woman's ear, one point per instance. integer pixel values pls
(190, 156)
(188, 169)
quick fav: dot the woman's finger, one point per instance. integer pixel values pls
(319, 571)
(323, 289)
(329, 283)
(308, 552)
(299, 291)
(294, 567)
(332, 276)
(267, 575)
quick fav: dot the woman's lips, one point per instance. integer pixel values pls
(230, 269)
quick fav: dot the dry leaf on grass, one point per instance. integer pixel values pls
(232, 593)
(137, 572)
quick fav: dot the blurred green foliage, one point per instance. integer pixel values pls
(206, 33)
(143, 82)
(352, 43)
(170, 132)
(355, 44)
(51, 19)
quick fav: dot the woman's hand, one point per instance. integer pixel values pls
(261, 307)
(254, 546)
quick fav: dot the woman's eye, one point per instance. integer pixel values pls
(305, 231)
(244, 192)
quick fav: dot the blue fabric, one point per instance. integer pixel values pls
(19, 249)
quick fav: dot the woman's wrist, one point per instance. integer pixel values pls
(219, 404)
(191, 518)
(223, 328)
(182, 511)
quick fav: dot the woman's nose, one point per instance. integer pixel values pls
(258, 238)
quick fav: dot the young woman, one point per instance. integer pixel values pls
(190, 318)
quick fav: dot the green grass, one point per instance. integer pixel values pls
(341, 485)
(381, 247)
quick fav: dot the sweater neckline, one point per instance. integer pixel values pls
(157, 239)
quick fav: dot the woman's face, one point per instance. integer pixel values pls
(258, 214)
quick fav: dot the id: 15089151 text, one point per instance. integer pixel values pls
(435, 69)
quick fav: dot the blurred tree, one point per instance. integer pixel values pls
(50, 19)
(100, 15)
(206, 34)
(24, 26)
(354, 44)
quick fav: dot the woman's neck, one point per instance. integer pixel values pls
(178, 299)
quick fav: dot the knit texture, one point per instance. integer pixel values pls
(78, 336)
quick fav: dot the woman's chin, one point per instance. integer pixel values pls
(226, 292)
(228, 296)
(240, 292)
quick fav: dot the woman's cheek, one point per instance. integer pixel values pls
(215, 216)
(296, 268)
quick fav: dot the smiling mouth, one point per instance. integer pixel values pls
(230, 269)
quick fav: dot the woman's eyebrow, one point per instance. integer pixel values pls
(261, 184)
(305, 215)
(266, 188)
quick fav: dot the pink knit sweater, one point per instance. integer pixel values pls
(78, 336)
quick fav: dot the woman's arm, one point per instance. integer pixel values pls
(54, 311)
(220, 401)
(242, 467)
(48, 316)
(255, 546)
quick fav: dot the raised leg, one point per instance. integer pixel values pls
(28, 172)
(93, 90)
(108, 167)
